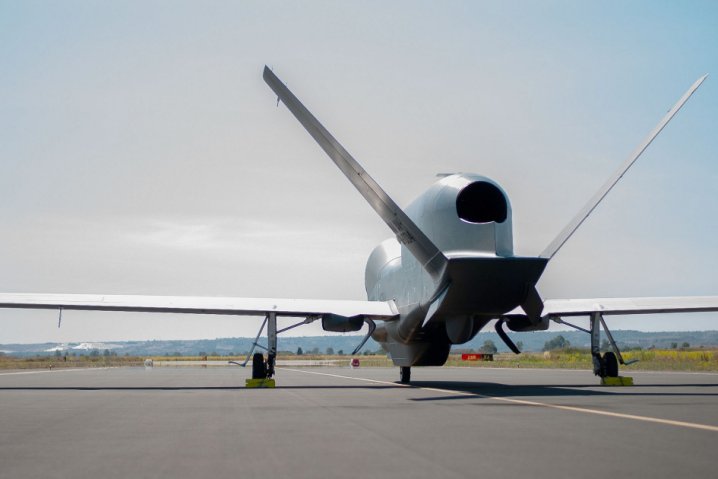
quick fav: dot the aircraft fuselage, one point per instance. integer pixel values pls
(468, 217)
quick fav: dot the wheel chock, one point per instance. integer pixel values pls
(617, 381)
(260, 383)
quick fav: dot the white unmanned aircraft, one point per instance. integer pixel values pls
(448, 272)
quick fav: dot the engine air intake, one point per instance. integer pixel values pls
(481, 202)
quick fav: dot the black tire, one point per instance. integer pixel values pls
(259, 369)
(610, 365)
(405, 375)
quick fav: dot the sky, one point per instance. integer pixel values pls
(142, 153)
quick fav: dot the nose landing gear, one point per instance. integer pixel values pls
(405, 375)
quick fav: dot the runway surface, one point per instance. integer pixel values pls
(339, 422)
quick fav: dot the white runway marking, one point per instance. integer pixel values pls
(669, 422)
(51, 371)
(583, 371)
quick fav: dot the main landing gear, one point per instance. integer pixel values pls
(606, 365)
(262, 371)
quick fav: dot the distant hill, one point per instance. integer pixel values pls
(346, 343)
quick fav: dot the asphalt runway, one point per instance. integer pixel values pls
(339, 422)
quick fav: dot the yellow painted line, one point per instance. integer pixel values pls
(655, 420)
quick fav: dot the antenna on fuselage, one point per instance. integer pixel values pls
(578, 220)
(406, 231)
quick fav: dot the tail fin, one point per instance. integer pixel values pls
(407, 232)
(559, 241)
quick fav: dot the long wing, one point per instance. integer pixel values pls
(374, 310)
(556, 308)
(571, 228)
(407, 232)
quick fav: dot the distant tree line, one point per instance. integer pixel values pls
(559, 342)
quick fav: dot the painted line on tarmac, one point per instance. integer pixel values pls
(598, 412)
(52, 371)
(582, 371)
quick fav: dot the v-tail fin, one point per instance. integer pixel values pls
(568, 231)
(407, 232)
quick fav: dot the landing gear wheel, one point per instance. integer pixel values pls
(610, 365)
(259, 369)
(404, 374)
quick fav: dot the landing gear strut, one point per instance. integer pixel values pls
(605, 366)
(260, 368)
(405, 375)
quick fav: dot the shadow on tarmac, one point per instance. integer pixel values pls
(488, 390)
(179, 388)
(472, 390)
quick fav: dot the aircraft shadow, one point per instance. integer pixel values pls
(178, 388)
(488, 390)
(473, 390)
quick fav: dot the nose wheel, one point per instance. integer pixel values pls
(405, 375)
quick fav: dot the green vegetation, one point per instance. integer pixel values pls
(559, 342)
(697, 359)
(488, 347)
(580, 358)
(68, 361)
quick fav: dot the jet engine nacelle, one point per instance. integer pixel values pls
(341, 324)
(521, 323)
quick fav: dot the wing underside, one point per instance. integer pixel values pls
(556, 308)
(374, 310)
